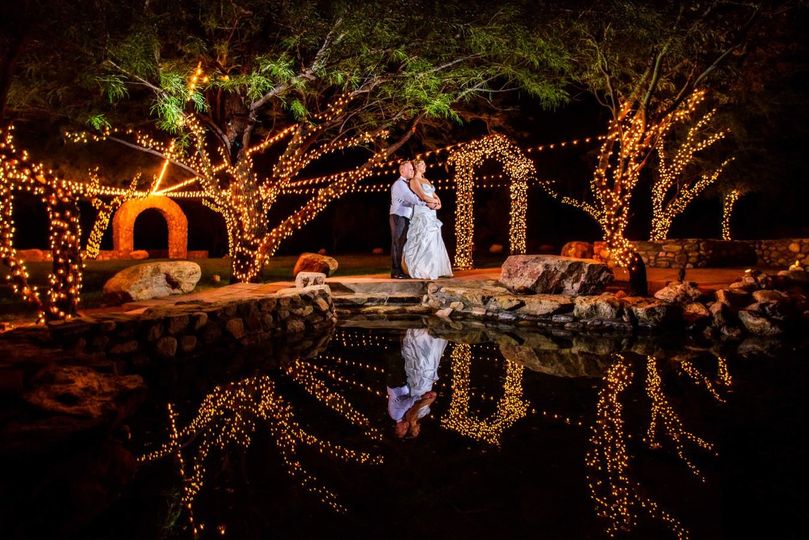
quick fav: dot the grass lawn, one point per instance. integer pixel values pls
(96, 273)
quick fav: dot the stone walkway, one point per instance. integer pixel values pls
(381, 289)
(708, 279)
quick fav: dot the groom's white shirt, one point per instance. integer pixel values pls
(402, 198)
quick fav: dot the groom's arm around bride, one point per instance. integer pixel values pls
(402, 201)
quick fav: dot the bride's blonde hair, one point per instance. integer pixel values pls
(418, 162)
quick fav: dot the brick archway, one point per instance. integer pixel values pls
(123, 224)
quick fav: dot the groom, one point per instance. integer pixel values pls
(402, 201)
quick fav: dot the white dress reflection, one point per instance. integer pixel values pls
(410, 380)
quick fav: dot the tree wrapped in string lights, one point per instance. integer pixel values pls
(673, 188)
(18, 174)
(647, 66)
(622, 156)
(329, 89)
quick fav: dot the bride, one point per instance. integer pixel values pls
(425, 256)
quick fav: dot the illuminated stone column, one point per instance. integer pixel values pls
(123, 224)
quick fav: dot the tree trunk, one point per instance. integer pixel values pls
(245, 263)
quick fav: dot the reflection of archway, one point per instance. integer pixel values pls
(510, 407)
(123, 224)
(515, 164)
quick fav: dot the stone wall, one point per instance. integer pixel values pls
(783, 252)
(701, 253)
(186, 328)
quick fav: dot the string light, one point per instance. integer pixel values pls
(622, 156)
(17, 174)
(729, 200)
(510, 408)
(105, 209)
(618, 498)
(671, 191)
(230, 415)
(465, 159)
(664, 418)
(715, 388)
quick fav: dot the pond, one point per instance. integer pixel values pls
(527, 435)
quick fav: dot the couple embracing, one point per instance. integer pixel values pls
(417, 249)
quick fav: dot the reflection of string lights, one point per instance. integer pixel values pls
(230, 414)
(305, 374)
(511, 407)
(617, 497)
(723, 382)
(665, 418)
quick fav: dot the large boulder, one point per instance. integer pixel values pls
(696, 314)
(152, 280)
(796, 276)
(552, 274)
(315, 262)
(734, 298)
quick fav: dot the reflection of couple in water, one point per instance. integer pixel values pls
(410, 378)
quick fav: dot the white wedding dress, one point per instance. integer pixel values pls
(422, 354)
(425, 256)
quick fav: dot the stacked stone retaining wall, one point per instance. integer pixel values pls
(782, 252)
(703, 253)
(186, 328)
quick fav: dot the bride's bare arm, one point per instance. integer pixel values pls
(415, 185)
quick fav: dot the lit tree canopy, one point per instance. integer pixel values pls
(299, 81)
(648, 64)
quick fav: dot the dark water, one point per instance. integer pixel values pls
(530, 436)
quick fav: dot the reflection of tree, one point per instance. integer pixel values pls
(230, 415)
(619, 498)
(664, 418)
(510, 407)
